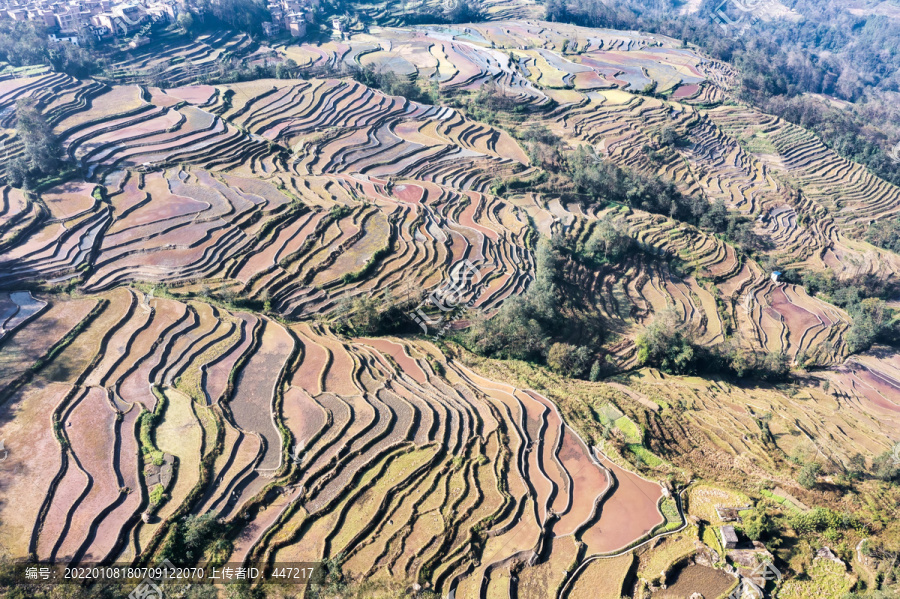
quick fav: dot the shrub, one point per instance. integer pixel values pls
(523, 326)
(193, 537)
(157, 495)
(757, 524)
(872, 319)
(808, 475)
(821, 519)
(885, 233)
(886, 468)
(513, 333)
(242, 15)
(774, 366)
(664, 345)
(568, 360)
(394, 85)
(367, 315)
(464, 11)
(743, 362)
(603, 180)
(542, 146)
(609, 239)
(595, 371)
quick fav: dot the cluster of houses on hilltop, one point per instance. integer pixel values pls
(290, 15)
(69, 20)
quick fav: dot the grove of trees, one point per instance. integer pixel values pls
(25, 43)
(240, 15)
(41, 152)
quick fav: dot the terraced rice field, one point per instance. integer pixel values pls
(757, 165)
(410, 462)
(295, 235)
(167, 336)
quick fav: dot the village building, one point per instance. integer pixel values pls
(729, 537)
(297, 25)
(67, 19)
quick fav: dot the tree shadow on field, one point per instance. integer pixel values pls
(882, 352)
(40, 327)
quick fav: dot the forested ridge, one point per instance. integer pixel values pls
(824, 50)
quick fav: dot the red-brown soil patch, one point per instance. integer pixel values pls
(409, 193)
(134, 387)
(694, 578)
(244, 452)
(218, 371)
(588, 482)
(302, 415)
(69, 199)
(315, 357)
(91, 431)
(339, 378)
(686, 91)
(108, 529)
(193, 94)
(90, 435)
(536, 473)
(32, 460)
(627, 515)
(252, 401)
(796, 318)
(550, 462)
(249, 535)
(398, 353)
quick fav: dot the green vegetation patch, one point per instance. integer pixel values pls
(644, 455)
(710, 538)
(758, 143)
(782, 501)
(157, 495)
(825, 579)
(629, 429)
(669, 509)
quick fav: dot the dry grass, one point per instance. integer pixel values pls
(603, 578)
(656, 561)
(704, 499)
